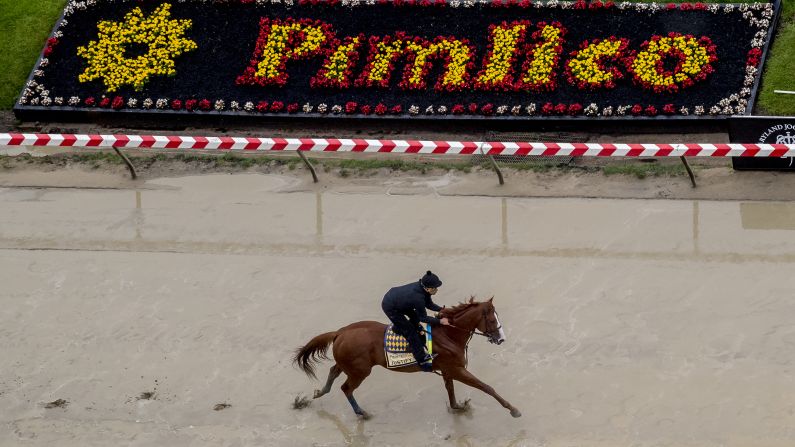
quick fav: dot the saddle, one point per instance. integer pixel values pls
(397, 349)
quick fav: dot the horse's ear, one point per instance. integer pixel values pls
(491, 299)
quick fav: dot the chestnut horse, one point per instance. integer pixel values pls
(360, 346)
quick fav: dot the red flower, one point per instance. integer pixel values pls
(380, 109)
(754, 57)
(118, 103)
(473, 108)
(205, 105)
(350, 107)
(670, 6)
(458, 109)
(366, 109)
(277, 106)
(191, 104)
(262, 106)
(637, 109)
(650, 111)
(547, 109)
(105, 102)
(580, 4)
(575, 109)
(396, 110)
(561, 109)
(292, 108)
(90, 101)
(176, 104)
(669, 109)
(487, 109)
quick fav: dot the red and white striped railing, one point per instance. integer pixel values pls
(399, 146)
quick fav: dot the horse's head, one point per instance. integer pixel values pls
(476, 316)
(490, 323)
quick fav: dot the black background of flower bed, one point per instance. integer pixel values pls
(226, 35)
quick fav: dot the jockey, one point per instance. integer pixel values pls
(405, 308)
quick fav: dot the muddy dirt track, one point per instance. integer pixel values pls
(165, 313)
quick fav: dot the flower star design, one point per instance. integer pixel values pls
(161, 37)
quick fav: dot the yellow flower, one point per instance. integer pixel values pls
(162, 38)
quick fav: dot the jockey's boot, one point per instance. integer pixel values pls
(427, 364)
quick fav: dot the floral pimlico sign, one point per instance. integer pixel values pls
(504, 58)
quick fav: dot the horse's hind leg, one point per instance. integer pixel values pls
(333, 373)
(349, 386)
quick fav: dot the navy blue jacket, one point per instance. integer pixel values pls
(410, 300)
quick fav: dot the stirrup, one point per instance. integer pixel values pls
(426, 366)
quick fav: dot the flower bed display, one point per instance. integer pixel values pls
(402, 58)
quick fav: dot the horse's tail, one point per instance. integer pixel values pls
(311, 353)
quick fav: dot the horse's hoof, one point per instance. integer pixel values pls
(516, 413)
(364, 415)
(317, 394)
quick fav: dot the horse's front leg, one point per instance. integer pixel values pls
(466, 377)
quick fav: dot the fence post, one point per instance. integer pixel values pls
(689, 171)
(127, 162)
(308, 165)
(493, 163)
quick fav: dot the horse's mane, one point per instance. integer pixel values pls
(460, 307)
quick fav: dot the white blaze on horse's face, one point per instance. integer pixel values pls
(499, 326)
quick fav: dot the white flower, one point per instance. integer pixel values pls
(322, 107)
(38, 73)
(442, 110)
(74, 100)
(414, 110)
(44, 62)
(234, 105)
(148, 103)
(23, 100)
(248, 106)
(622, 110)
(684, 111)
(34, 101)
(336, 109)
(161, 103)
(516, 110)
(624, 5)
(32, 84)
(46, 101)
(531, 109)
(699, 110)
(749, 80)
(58, 100)
(307, 108)
(429, 110)
(219, 105)
(45, 92)
(592, 109)
(132, 103)
(607, 111)
(713, 8)
(502, 109)
(739, 110)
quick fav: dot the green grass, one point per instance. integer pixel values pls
(643, 170)
(780, 67)
(26, 24)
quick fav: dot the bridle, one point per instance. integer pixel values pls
(475, 330)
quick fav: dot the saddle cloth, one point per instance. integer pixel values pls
(397, 349)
